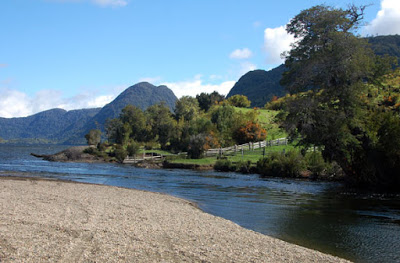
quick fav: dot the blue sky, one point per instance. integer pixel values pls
(82, 53)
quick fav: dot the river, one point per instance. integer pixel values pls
(325, 216)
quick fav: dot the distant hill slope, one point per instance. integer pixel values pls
(389, 45)
(69, 127)
(142, 95)
(260, 85)
(44, 125)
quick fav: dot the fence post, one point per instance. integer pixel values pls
(264, 152)
(242, 152)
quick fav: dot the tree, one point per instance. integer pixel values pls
(114, 130)
(330, 65)
(187, 108)
(135, 121)
(206, 100)
(240, 101)
(160, 119)
(250, 132)
(93, 137)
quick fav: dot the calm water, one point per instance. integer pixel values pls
(318, 215)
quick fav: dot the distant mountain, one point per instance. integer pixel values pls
(69, 127)
(45, 125)
(142, 95)
(260, 85)
(389, 45)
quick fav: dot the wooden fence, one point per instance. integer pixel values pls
(251, 146)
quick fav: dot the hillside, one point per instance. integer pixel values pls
(260, 85)
(45, 125)
(69, 127)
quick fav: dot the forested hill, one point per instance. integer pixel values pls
(45, 125)
(60, 126)
(260, 85)
(141, 95)
(389, 45)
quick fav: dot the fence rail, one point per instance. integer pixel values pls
(251, 146)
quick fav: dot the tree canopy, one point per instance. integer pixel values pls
(331, 66)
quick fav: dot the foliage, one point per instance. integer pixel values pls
(330, 65)
(196, 146)
(240, 101)
(120, 153)
(206, 100)
(224, 165)
(187, 108)
(250, 132)
(288, 164)
(316, 163)
(134, 121)
(93, 137)
(132, 148)
(160, 120)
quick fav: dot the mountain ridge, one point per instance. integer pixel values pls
(69, 127)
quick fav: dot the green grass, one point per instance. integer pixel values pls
(267, 121)
(252, 156)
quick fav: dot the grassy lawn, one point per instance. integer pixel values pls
(252, 156)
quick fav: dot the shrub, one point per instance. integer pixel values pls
(196, 146)
(240, 101)
(133, 148)
(288, 164)
(223, 165)
(316, 163)
(120, 153)
(243, 167)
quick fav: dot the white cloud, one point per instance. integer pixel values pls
(387, 21)
(244, 53)
(276, 41)
(18, 104)
(197, 86)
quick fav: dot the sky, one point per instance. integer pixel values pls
(75, 54)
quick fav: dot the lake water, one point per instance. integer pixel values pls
(320, 215)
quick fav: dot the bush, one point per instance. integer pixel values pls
(133, 148)
(150, 145)
(243, 167)
(316, 163)
(196, 146)
(289, 164)
(120, 153)
(224, 165)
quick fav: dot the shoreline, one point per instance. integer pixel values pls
(55, 220)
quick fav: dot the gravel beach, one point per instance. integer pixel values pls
(54, 221)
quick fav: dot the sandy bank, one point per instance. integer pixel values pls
(55, 221)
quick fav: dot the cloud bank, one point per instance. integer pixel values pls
(18, 104)
(197, 86)
(387, 21)
(276, 41)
